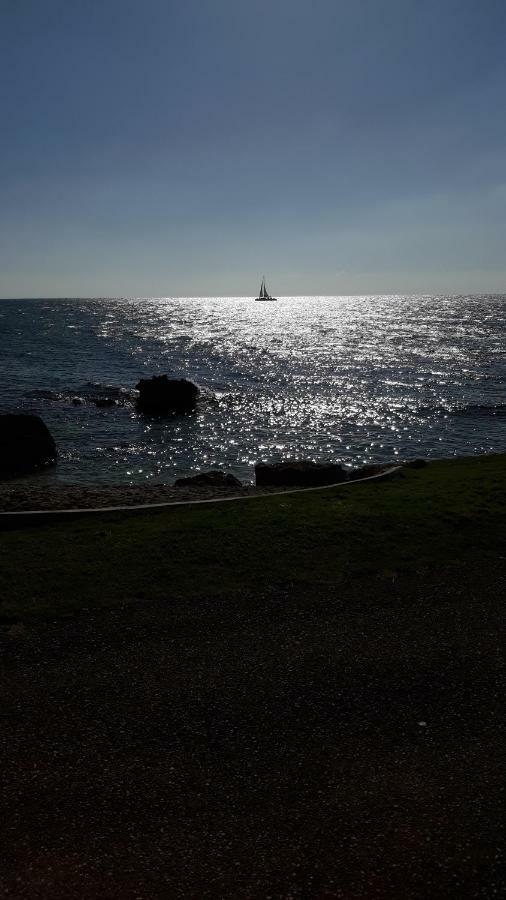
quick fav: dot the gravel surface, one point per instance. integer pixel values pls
(77, 496)
(277, 746)
(30, 495)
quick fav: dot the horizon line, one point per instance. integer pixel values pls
(473, 293)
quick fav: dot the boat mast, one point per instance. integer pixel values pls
(264, 294)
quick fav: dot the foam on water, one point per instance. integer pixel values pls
(352, 379)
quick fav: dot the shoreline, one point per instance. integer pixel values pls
(30, 497)
(17, 496)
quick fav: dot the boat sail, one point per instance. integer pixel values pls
(264, 294)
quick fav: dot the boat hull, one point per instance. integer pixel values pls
(266, 299)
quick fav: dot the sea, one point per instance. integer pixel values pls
(351, 379)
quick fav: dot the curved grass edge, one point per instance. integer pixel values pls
(33, 516)
(422, 534)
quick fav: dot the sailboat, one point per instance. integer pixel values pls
(264, 294)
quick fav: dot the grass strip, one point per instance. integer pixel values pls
(449, 515)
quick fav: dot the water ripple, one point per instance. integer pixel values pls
(356, 379)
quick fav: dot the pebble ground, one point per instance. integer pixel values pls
(274, 746)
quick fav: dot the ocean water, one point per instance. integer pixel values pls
(351, 379)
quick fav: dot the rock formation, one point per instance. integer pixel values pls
(160, 395)
(209, 479)
(299, 474)
(26, 444)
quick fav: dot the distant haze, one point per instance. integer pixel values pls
(186, 148)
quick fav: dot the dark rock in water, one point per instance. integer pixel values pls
(365, 471)
(209, 479)
(26, 444)
(113, 395)
(101, 395)
(164, 395)
(301, 474)
(43, 394)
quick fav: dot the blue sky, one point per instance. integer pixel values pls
(184, 148)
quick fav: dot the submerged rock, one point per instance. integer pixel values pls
(100, 395)
(44, 394)
(209, 479)
(26, 444)
(164, 395)
(103, 402)
(301, 474)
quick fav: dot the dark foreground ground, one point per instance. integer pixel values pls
(335, 739)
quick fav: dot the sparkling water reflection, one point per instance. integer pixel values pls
(354, 379)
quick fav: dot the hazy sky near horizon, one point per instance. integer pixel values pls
(168, 148)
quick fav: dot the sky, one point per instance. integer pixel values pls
(163, 148)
